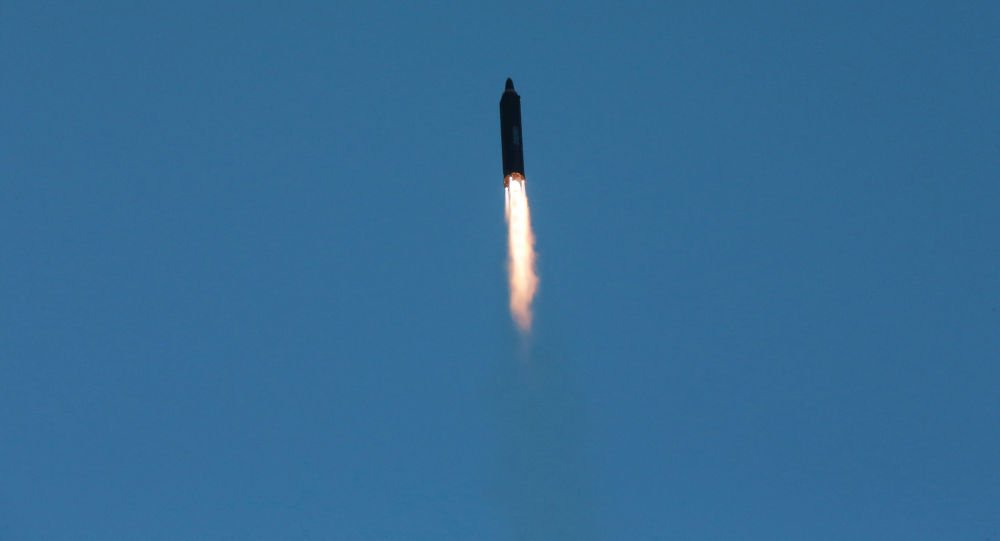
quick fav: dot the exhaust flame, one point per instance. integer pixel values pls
(521, 252)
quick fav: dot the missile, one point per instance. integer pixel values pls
(510, 135)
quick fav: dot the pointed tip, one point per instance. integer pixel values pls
(510, 84)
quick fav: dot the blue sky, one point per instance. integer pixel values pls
(252, 283)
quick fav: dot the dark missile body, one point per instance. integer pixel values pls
(510, 134)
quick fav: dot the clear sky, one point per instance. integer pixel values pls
(252, 274)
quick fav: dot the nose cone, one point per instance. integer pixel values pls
(509, 85)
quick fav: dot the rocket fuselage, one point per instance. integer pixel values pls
(510, 133)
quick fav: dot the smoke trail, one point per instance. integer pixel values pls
(521, 252)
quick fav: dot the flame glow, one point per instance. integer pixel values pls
(521, 255)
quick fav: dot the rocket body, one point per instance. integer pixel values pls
(510, 134)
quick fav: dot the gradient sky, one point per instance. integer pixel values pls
(252, 278)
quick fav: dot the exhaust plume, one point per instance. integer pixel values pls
(521, 252)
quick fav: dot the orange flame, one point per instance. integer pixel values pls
(521, 255)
